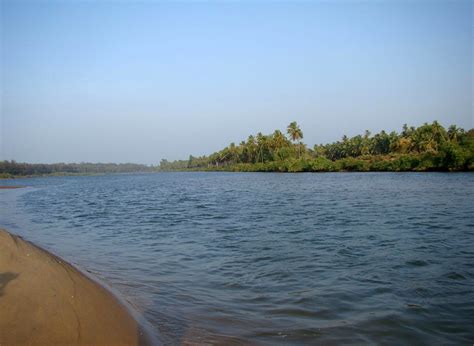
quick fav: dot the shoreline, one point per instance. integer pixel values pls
(46, 300)
(224, 171)
(66, 174)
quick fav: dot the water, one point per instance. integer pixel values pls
(269, 258)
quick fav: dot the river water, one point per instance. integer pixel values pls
(260, 258)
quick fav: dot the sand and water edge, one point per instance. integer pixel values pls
(45, 300)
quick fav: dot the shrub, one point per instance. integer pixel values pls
(321, 164)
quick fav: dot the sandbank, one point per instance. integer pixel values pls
(46, 301)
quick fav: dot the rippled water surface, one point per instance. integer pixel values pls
(269, 258)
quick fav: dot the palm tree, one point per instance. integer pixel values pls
(295, 134)
(252, 148)
(454, 132)
(365, 150)
(278, 141)
(261, 145)
(233, 151)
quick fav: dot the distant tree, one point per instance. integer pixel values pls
(295, 133)
(454, 133)
(262, 146)
(251, 146)
(427, 147)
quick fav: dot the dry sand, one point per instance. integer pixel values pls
(46, 301)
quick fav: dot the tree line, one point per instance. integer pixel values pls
(10, 169)
(429, 147)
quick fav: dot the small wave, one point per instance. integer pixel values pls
(455, 276)
(417, 263)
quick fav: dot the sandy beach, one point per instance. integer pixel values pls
(46, 301)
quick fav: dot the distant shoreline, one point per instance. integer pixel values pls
(429, 147)
(217, 171)
(35, 285)
(66, 174)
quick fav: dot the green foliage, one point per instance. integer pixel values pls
(322, 164)
(294, 132)
(405, 162)
(297, 165)
(6, 176)
(430, 147)
(426, 148)
(352, 164)
(9, 169)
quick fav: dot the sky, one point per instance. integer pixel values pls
(139, 81)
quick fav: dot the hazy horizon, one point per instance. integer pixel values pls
(143, 81)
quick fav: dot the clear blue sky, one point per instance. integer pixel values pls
(140, 81)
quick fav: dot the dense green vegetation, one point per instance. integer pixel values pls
(9, 169)
(429, 147)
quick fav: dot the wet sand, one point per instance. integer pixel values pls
(46, 301)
